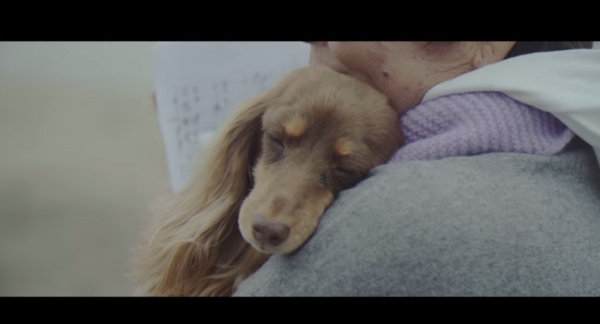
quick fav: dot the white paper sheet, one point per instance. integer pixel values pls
(197, 85)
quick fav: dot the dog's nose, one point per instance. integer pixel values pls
(270, 233)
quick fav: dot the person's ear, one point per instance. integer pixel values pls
(491, 52)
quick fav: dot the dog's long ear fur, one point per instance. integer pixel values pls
(195, 247)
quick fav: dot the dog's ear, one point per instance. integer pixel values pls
(196, 247)
(239, 146)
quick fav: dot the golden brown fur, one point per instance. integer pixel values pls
(282, 159)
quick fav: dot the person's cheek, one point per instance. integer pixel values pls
(362, 59)
(342, 51)
(321, 55)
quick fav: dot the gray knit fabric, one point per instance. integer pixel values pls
(498, 224)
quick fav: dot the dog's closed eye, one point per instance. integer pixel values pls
(276, 142)
(339, 178)
(344, 171)
(274, 148)
(346, 177)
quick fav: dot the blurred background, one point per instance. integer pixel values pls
(81, 157)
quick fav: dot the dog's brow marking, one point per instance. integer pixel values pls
(295, 128)
(342, 147)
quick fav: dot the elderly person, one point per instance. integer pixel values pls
(495, 192)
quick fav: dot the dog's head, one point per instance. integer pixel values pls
(322, 134)
(271, 172)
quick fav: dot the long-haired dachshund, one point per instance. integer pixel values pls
(265, 181)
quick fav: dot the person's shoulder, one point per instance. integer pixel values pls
(425, 184)
(507, 184)
(489, 175)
